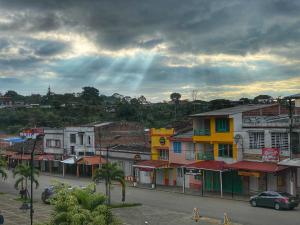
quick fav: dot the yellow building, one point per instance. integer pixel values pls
(160, 143)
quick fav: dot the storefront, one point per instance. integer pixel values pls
(260, 176)
(212, 176)
(151, 172)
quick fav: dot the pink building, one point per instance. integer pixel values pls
(183, 152)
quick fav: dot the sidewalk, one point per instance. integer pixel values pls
(176, 189)
(10, 209)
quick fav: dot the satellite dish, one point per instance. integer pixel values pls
(237, 138)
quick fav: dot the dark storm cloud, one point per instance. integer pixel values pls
(200, 26)
(234, 27)
(48, 48)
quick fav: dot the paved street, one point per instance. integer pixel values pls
(178, 204)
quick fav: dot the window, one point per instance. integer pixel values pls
(179, 172)
(72, 150)
(80, 139)
(57, 143)
(89, 140)
(225, 150)
(48, 143)
(177, 147)
(280, 140)
(190, 152)
(256, 140)
(73, 138)
(222, 125)
(51, 143)
(164, 155)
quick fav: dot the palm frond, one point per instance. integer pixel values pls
(18, 181)
(3, 173)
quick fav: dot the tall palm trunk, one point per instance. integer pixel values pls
(26, 186)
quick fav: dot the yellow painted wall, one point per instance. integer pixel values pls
(217, 138)
(156, 134)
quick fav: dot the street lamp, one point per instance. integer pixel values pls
(31, 176)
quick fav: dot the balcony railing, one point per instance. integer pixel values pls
(201, 132)
(209, 155)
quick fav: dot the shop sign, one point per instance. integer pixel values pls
(270, 154)
(31, 133)
(137, 157)
(249, 174)
(162, 140)
(193, 171)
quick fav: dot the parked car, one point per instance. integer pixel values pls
(277, 200)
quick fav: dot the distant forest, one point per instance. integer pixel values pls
(58, 110)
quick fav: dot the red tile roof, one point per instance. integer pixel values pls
(208, 165)
(267, 167)
(152, 164)
(91, 160)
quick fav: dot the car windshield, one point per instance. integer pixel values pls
(284, 194)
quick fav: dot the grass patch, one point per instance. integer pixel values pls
(2, 193)
(124, 205)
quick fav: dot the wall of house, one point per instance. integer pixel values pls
(54, 134)
(85, 147)
(180, 157)
(156, 143)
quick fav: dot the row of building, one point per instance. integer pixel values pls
(240, 150)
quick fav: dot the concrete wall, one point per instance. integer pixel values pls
(54, 134)
(85, 147)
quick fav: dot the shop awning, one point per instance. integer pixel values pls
(152, 164)
(91, 160)
(44, 157)
(176, 165)
(290, 162)
(207, 165)
(21, 157)
(71, 160)
(266, 167)
(9, 153)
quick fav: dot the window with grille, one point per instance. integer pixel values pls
(222, 125)
(73, 138)
(190, 151)
(164, 155)
(280, 140)
(256, 140)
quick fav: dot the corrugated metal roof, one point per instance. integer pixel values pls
(293, 96)
(232, 110)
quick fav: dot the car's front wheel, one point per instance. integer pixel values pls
(253, 203)
(277, 206)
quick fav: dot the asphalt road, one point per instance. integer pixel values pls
(239, 211)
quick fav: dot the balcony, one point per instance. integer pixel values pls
(208, 155)
(202, 132)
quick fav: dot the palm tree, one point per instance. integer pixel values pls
(2, 170)
(111, 172)
(24, 173)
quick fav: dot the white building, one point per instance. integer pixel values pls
(79, 141)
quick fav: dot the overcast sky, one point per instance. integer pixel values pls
(223, 49)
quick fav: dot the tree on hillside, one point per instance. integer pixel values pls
(245, 100)
(90, 95)
(219, 104)
(175, 97)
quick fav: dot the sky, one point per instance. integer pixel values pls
(222, 49)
